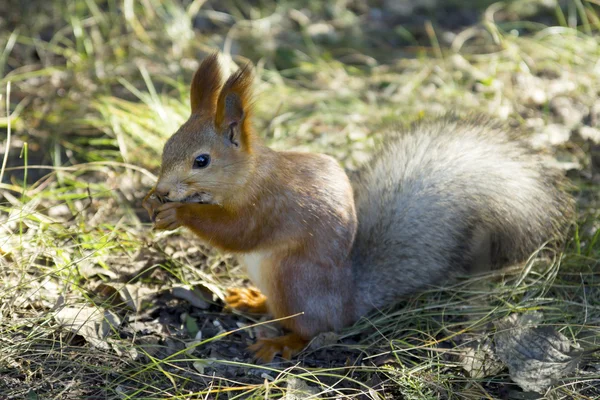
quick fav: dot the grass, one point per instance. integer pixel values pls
(96, 88)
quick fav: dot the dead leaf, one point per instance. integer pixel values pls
(191, 325)
(88, 270)
(477, 358)
(297, 389)
(149, 345)
(6, 255)
(93, 323)
(194, 297)
(202, 363)
(191, 346)
(136, 295)
(536, 356)
(138, 267)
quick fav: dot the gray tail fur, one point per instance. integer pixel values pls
(447, 197)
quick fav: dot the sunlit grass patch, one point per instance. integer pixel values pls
(97, 87)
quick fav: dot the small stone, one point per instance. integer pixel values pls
(322, 30)
(561, 86)
(193, 250)
(570, 113)
(551, 135)
(589, 133)
(60, 210)
(531, 89)
(536, 96)
(595, 114)
(535, 123)
(179, 254)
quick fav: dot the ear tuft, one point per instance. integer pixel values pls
(205, 85)
(234, 103)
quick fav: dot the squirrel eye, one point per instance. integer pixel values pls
(202, 161)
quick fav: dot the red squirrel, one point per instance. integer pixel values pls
(441, 199)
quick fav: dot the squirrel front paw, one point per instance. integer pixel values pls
(166, 216)
(151, 202)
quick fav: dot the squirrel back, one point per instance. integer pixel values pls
(448, 197)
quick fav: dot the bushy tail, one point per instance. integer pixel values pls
(449, 196)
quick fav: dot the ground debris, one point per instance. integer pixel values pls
(94, 324)
(536, 356)
(192, 296)
(478, 359)
(298, 389)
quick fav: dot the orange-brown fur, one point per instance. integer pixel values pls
(439, 200)
(293, 213)
(246, 299)
(205, 85)
(239, 83)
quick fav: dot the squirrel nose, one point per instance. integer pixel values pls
(161, 190)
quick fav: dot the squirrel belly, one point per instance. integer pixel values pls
(301, 261)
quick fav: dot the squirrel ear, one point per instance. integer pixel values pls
(206, 84)
(233, 107)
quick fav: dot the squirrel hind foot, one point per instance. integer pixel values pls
(287, 346)
(247, 300)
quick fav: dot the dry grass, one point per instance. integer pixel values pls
(97, 86)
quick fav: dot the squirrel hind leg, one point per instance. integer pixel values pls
(247, 300)
(287, 346)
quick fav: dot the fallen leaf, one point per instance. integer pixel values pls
(149, 345)
(136, 295)
(93, 323)
(88, 270)
(536, 356)
(191, 346)
(200, 364)
(194, 297)
(6, 255)
(132, 295)
(477, 358)
(191, 325)
(297, 389)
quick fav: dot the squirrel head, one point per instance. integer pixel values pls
(210, 158)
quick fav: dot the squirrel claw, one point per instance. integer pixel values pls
(288, 346)
(151, 202)
(246, 299)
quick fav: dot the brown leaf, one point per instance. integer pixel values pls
(536, 356)
(297, 389)
(478, 359)
(93, 323)
(194, 297)
(136, 295)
